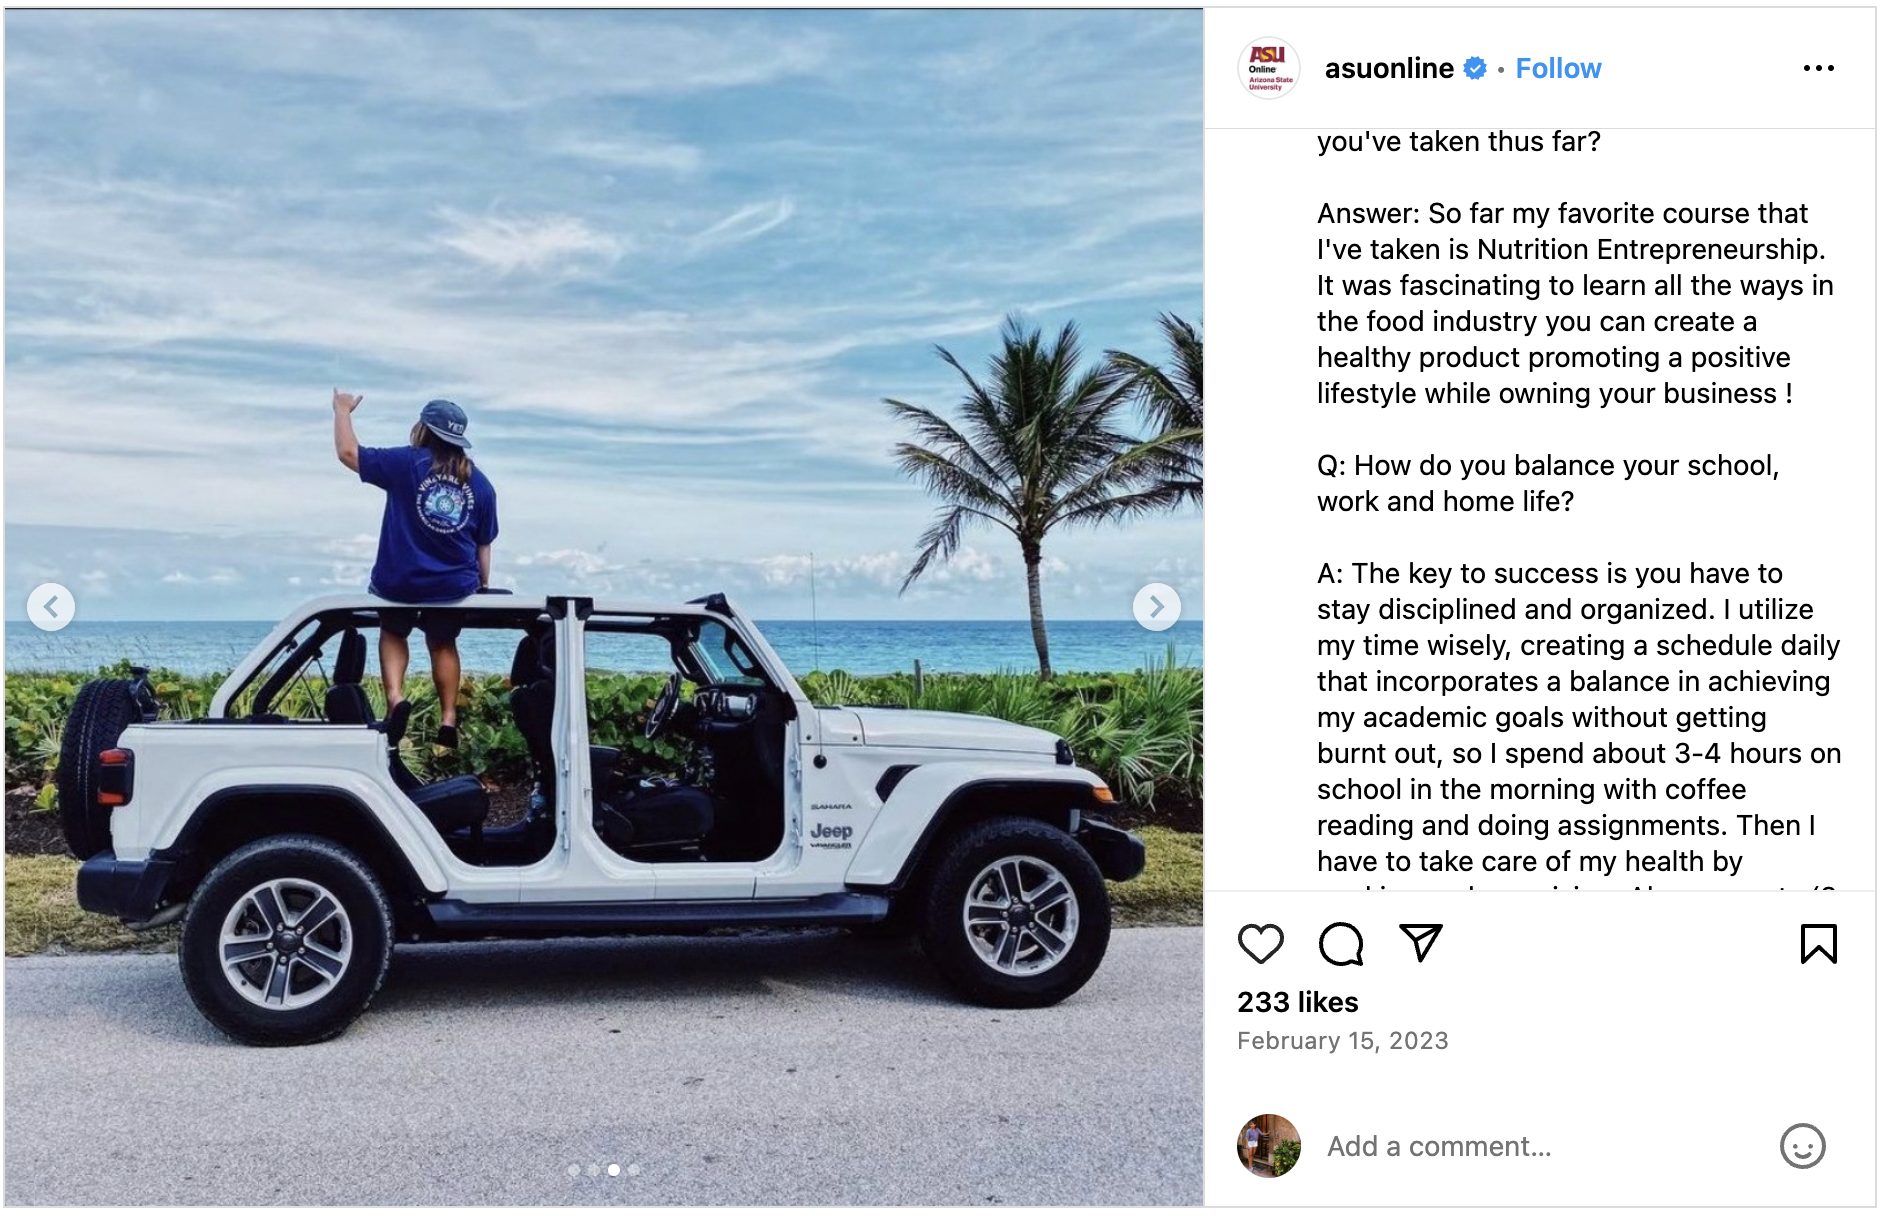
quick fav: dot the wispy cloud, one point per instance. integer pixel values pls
(510, 244)
(577, 564)
(221, 576)
(637, 152)
(752, 220)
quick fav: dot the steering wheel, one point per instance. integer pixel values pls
(664, 706)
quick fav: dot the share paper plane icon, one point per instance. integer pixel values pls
(1423, 937)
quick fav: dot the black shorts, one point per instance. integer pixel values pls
(440, 625)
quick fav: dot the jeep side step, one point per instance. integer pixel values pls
(456, 918)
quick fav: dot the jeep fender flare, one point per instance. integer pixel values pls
(907, 829)
(408, 864)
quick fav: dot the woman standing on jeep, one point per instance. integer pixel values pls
(434, 541)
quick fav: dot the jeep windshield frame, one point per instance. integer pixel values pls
(687, 637)
(734, 664)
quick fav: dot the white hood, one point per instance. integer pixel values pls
(920, 728)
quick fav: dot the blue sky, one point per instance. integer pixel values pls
(669, 262)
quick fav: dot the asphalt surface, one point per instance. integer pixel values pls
(770, 1068)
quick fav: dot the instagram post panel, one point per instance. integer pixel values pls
(605, 608)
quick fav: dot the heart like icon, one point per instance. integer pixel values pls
(1256, 941)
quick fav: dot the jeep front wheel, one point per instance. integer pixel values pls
(286, 941)
(1016, 914)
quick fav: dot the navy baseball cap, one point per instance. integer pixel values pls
(445, 420)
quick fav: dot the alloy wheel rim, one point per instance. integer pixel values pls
(286, 944)
(1020, 915)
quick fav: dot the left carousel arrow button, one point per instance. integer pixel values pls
(51, 607)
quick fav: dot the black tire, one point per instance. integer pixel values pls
(99, 714)
(947, 940)
(291, 860)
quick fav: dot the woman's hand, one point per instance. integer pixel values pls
(346, 447)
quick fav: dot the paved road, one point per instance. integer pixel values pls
(773, 1068)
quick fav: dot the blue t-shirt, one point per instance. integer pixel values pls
(429, 538)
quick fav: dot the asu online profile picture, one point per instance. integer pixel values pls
(1268, 68)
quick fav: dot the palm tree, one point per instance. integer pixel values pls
(1038, 445)
(1173, 397)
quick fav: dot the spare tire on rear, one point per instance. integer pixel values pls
(100, 712)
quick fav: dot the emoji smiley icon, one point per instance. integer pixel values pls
(1803, 1146)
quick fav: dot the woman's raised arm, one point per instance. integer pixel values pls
(346, 445)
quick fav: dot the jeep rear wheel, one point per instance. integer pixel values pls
(1016, 914)
(99, 714)
(286, 941)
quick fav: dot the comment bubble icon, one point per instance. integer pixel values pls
(1341, 944)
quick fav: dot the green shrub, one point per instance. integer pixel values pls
(1142, 731)
(1286, 1155)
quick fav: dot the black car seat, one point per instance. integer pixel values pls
(664, 816)
(347, 703)
(456, 804)
(657, 816)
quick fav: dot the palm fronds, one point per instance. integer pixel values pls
(1172, 396)
(1040, 439)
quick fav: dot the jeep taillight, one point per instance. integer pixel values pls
(114, 776)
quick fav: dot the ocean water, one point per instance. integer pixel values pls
(859, 647)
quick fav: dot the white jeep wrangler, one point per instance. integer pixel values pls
(297, 850)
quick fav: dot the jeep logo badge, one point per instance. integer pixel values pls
(830, 835)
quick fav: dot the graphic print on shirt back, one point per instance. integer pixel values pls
(444, 505)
